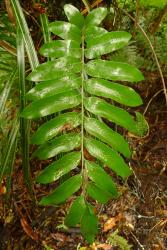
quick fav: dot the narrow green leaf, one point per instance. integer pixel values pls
(96, 16)
(117, 115)
(63, 143)
(106, 43)
(111, 158)
(63, 192)
(103, 132)
(54, 87)
(117, 92)
(89, 224)
(93, 31)
(76, 212)
(61, 48)
(112, 70)
(52, 104)
(30, 49)
(6, 90)
(53, 127)
(59, 168)
(55, 69)
(66, 30)
(8, 152)
(101, 178)
(45, 27)
(97, 193)
(74, 16)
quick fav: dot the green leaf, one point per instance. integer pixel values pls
(93, 31)
(55, 126)
(54, 87)
(55, 69)
(89, 224)
(96, 16)
(97, 193)
(76, 212)
(63, 192)
(65, 30)
(101, 179)
(52, 104)
(106, 43)
(59, 168)
(63, 143)
(74, 16)
(106, 134)
(61, 48)
(111, 158)
(112, 70)
(117, 92)
(117, 115)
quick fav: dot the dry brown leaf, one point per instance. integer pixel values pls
(104, 246)
(2, 189)
(112, 222)
(161, 212)
(28, 230)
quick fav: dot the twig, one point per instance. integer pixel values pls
(150, 101)
(86, 3)
(138, 242)
(92, 6)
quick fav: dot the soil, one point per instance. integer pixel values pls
(140, 213)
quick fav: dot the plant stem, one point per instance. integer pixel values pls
(82, 116)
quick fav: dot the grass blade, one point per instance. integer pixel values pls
(30, 49)
(24, 123)
(9, 148)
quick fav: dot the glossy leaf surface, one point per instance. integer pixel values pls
(96, 16)
(76, 212)
(63, 192)
(61, 48)
(103, 132)
(106, 43)
(63, 143)
(117, 115)
(115, 91)
(116, 71)
(93, 31)
(53, 87)
(54, 126)
(52, 104)
(65, 30)
(55, 69)
(59, 168)
(74, 16)
(111, 158)
(101, 179)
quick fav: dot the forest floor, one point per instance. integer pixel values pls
(139, 215)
